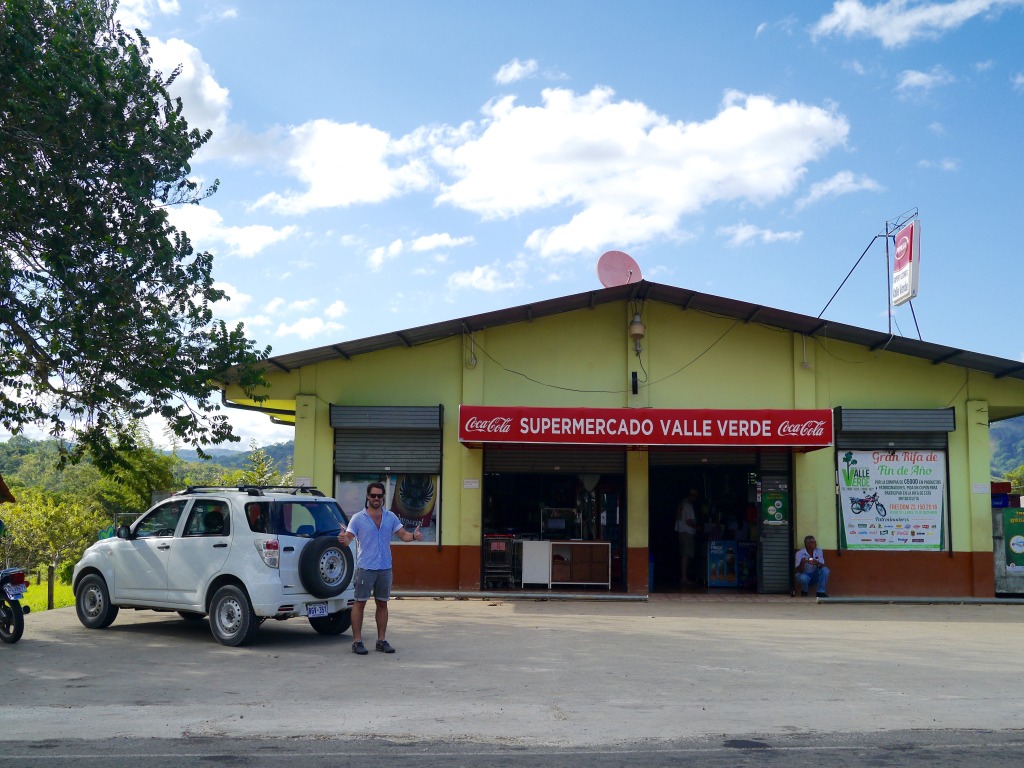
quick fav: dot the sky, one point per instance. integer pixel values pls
(388, 165)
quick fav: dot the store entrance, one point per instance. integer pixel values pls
(556, 513)
(725, 543)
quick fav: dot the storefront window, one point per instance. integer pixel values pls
(412, 496)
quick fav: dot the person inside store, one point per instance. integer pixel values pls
(373, 527)
(686, 529)
(811, 569)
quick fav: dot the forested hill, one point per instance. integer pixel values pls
(231, 458)
(1007, 445)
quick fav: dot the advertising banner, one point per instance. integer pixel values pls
(906, 269)
(721, 563)
(893, 500)
(645, 426)
(1013, 535)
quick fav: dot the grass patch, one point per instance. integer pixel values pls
(35, 597)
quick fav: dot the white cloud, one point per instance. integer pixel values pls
(1017, 81)
(384, 253)
(346, 164)
(308, 327)
(984, 66)
(743, 234)
(237, 304)
(913, 79)
(945, 164)
(205, 103)
(303, 305)
(516, 70)
(630, 172)
(843, 183)
(205, 227)
(482, 278)
(135, 14)
(441, 240)
(336, 310)
(898, 22)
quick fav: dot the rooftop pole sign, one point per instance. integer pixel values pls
(907, 267)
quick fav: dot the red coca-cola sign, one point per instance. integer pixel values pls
(645, 426)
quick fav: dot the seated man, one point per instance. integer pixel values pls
(810, 568)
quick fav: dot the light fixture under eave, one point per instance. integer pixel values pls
(637, 330)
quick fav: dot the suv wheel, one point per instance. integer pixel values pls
(232, 620)
(325, 567)
(333, 624)
(92, 603)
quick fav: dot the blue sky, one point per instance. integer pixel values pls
(388, 165)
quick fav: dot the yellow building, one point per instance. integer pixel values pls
(551, 445)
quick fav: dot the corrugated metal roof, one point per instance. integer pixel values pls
(648, 291)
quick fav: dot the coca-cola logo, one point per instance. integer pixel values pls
(814, 428)
(500, 424)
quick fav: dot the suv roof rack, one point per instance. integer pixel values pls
(253, 490)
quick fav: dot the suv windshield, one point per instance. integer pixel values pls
(309, 517)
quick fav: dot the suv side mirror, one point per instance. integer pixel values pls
(124, 532)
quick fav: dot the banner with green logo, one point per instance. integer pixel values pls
(892, 500)
(1013, 535)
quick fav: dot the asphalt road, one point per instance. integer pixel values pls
(514, 683)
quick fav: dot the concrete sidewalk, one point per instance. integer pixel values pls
(528, 672)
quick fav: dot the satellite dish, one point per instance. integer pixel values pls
(617, 268)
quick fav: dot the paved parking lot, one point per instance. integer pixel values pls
(527, 672)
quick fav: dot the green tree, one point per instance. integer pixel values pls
(259, 469)
(54, 528)
(105, 309)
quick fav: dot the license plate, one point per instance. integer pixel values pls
(18, 592)
(316, 609)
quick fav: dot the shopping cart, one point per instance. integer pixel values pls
(498, 560)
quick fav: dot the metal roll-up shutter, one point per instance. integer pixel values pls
(775, 461)
(387, 438)
(774, 574)
(709, 456)
(873, 429)
(895, 420)
(555, 460)
(905, 441)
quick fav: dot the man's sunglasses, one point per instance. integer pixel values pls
(376, 495)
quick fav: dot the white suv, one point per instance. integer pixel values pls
(238, 555)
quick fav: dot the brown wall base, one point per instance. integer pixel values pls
(911, 574)
(861, 574)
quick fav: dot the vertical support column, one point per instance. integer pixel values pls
(978, 539)
(468, 531)
(637, 521)
(314, 442)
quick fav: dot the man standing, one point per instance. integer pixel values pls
(686, 528)
(810, 568)
(373, 528)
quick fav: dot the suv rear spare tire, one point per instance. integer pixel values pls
(326, 567)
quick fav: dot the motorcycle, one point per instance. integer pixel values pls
(12, 614)
(865, 504)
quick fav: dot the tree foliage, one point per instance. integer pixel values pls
(54, 529)
(259, 469)
(105, 308)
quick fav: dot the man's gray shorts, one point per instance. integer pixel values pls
(377, 582)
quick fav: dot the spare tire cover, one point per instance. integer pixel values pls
(326, 567)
